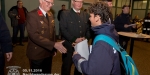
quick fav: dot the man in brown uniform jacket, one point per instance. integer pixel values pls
(41, 42)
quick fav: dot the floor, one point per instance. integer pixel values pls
(141, 56)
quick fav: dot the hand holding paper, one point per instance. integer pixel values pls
(132, 25)
(83, 49)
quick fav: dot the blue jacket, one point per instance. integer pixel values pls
(5, 38)
(103, 60)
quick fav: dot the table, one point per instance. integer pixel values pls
(133, 36)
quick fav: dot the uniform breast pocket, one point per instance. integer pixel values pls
(43, 29)
(85, 22)
(70, 22)
(71, 25)
(53, 23)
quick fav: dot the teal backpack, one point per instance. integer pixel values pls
(127, 64)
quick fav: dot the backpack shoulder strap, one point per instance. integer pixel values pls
(108, 40)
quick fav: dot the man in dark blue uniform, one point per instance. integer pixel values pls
(5, 44)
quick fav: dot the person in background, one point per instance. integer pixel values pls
(134, 21)
(109, 2)
(121, 24)
(74, 26)
(17, 15)
(146, 25)
(85, 10)
(63, 7)
(41, 42)
(5, 44)
(103, 59)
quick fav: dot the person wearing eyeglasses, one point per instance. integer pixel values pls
(41, 42)
(75, 27)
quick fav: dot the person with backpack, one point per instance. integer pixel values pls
(103, 59)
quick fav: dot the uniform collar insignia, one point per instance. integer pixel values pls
(40, 13)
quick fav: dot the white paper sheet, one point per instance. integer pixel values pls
(83, 49)
(132, 25)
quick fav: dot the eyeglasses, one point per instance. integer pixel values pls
(49, 2)
(79, 1)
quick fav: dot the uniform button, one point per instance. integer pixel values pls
(35, 47)
(79, 21)
(80, 26)
(80, 31)
(42, 32)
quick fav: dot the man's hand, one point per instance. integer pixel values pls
(9, 56)
(80, 39)
(60, 47)
(17, 17)
(126, 26)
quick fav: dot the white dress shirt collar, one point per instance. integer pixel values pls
(76, 10)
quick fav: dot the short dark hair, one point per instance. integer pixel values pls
(102, 9)
(19, 1)
(125, 6)
(63, 5)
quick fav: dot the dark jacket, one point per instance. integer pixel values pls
(121, 20)
(13, 12)
(5, 38)
(58, 16)
(73, 26)
(103, 60)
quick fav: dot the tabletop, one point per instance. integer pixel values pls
(134, 35)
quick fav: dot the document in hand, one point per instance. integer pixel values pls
(83, 49)
(132, 25)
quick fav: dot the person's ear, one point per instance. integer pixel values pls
(97, 17)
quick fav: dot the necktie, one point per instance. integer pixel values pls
(47, 16)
